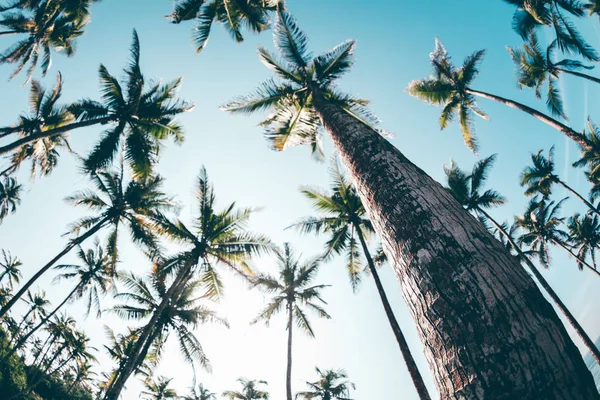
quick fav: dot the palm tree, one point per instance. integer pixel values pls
(449, 87)
(417, 222)
(540, 177)
(344, 218)
(328, 386)
(183, 310)
(143, 115)
(584, 235)
(12, 268)
(535, 67)
(200, 393)
(252, 14)
(94, 279)
(541, 223)
(82, 375)
(532, 14)
(37, 309)
(115, 204)
(467, 190)
(159, 389)
(10, 196)
(293, 289)
(250, 391)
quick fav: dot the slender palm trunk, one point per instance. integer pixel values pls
(73, 243)
(21, 324)
(589, 343)
(52, 132)
(579, 260)
(569, 132)
(415, 375)
(7, 33)
(43, 349)
(487, 330)
(288, 376)
(580, 75)
(135, 359)
(580, 197)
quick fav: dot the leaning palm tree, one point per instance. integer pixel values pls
(12, 269)
(142, 114)
(417, 222)
(539, 178)
(294, 290)
(183, 313)
(468, 189)
(449, 87)
(38, 304)
(536, 67)
(215, 239)
(158, 389)
(331, 385)
(250, 391)
(115, 204)
(343, 218)
(234, 15)
(200, 393)
(584, 236)
(10, 196)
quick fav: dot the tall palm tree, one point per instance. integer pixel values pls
(215, 239)
(449, 87)
(183, 312)
(328, 386)
(531, 14)
(250, 391)
(82, 375)
(10, 196)
(540, 178)
(143, 115)
(542, 225)
(200, 393)
(251, 14)
(159, 389)
(115, 204)
(48, 25)
(584, 236)
(12, 268)
(94, 279)
(535, 67)
(467, 189)
(294, 289)
(38, 304)
(343, 218)
(417, 221)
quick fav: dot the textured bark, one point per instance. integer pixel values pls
(77, 241)
(413, 370)
(288, 376)
(589, 343)
(486, 328)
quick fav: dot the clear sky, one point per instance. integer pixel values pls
(394, 41)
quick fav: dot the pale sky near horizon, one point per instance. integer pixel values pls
(394, 40)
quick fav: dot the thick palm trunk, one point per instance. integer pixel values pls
(589, 343)
(579, 260)
(73, 243)
(134, 359)
(569, 132)
(580, 75)
(50, 133)
(580, 197)
(288, 376)
(486, 328)
(415, 375)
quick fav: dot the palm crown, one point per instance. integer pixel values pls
(200, 393)
(300, 77)
(250, 391)
(584, 235)
(12, 268)
(540, 177)
(331, 385)
(10, 196)
(158, 389)
(234, 15)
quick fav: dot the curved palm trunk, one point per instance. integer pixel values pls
(415, 375)
(589, 343)
(135, 359)
(579, 260)
(52, 132)
(288, 376)
(6, 33)
(486, 328)
(569, 132)
(580, 197)
(75, 242)
(580, 75)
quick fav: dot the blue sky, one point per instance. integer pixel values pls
(394, 41)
